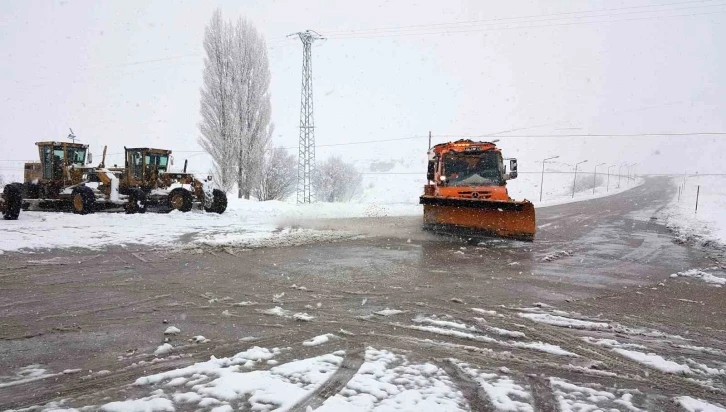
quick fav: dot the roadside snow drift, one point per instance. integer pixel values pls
(707, 225)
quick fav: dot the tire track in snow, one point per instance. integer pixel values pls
(657, 380)
(354, 358)
(542, 396)
(472, 391)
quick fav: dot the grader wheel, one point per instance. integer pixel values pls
(219, 202)
(13, 201)
(83, 200)
(136, 202)
(180, 199)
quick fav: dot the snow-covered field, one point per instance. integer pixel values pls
(258, 224)
(708, 224)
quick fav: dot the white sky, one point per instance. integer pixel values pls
(129, 72)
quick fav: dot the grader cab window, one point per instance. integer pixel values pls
(76, 156)
(158, 161)
(46, 159)
(58, 160)
(136, 164)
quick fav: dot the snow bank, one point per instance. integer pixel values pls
(150, 404)
(655, 361)
(704, 276)
(319, 340)
(708, 224)
(573, 398)
(565, 322)
(244, 224)
(31, 373)
(698, 405)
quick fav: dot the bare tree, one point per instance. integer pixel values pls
(336, 181)
(236, 112)
(253, 108)
(218, 137)
(278, 175)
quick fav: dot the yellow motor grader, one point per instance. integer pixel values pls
(62, 181)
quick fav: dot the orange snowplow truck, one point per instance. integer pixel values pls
(467, 194)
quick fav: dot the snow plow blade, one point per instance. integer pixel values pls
(475, 217)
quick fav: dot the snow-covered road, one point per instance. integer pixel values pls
(603, 312)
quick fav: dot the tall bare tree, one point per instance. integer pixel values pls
(235, 102)
(217, 126)
(277, 175)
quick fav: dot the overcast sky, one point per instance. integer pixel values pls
(129, 72)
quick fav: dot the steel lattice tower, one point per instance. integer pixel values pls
(306, 157)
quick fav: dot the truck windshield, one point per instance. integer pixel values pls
(473, 169)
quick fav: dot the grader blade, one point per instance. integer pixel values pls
(475, 217)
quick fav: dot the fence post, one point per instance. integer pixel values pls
(698, 191)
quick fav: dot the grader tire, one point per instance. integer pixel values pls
(180, 199)
(219, 202)
(12, 194)
(83, 200)
(136, 202)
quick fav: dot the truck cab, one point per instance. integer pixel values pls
(466, 169)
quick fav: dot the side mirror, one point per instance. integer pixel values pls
(431, 170)
(512, 168)
(90, 158)
(171, 160)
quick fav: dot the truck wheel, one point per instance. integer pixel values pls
(180, 199)
(136, 202)
(219, 202)
(83, 200)
(13, 201)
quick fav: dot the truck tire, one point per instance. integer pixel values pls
(12, 194)
(83, 200)
(219, 202)
(136, 202)
(180, 199)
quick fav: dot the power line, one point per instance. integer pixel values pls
(484, 29)
(470, 22)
